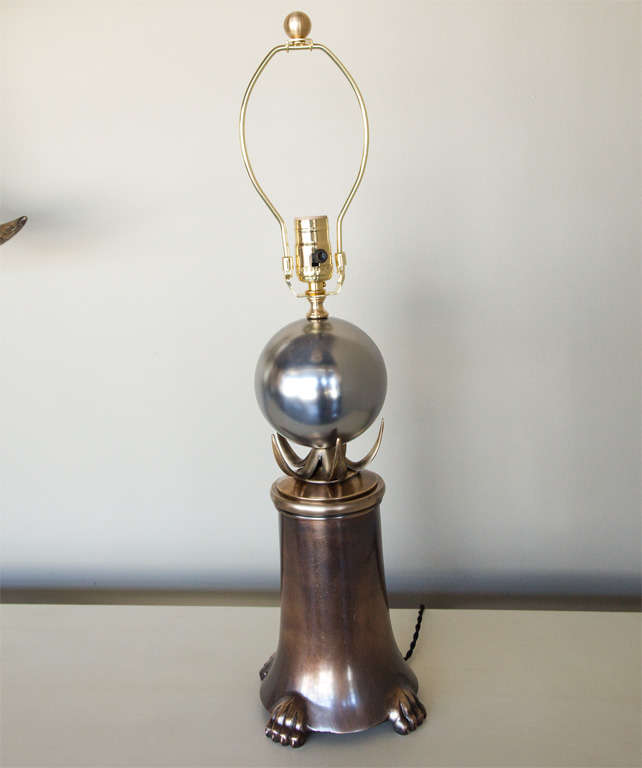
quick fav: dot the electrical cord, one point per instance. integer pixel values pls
(415, 636)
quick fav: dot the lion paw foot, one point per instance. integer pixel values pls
(287, 724)
(405, 711)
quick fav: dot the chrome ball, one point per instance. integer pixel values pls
(317, 380)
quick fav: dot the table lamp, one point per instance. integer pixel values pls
(320, 382)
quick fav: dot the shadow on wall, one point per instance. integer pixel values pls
(538, 594)
(495, 485)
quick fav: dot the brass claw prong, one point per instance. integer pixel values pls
(321, 464)
(332, 470)
(355, 466)
(291, 456)
(311, 463)
(280, 458)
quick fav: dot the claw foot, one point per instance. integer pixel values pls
(287, 724)
(265, 669)
(405, 711)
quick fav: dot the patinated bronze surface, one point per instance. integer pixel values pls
(337, 667)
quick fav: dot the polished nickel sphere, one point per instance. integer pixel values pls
(317, 380)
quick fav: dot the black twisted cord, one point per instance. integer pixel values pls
(413, 642)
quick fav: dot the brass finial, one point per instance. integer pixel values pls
(297, 25)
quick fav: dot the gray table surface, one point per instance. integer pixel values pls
(178, 686)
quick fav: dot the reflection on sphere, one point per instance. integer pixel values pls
(319, 380)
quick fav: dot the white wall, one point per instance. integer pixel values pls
(493, 256)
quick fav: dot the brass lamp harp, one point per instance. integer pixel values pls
(312, 263)
(320, 382)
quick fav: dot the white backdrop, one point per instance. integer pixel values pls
(493, 256)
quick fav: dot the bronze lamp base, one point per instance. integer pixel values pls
(337, 667)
